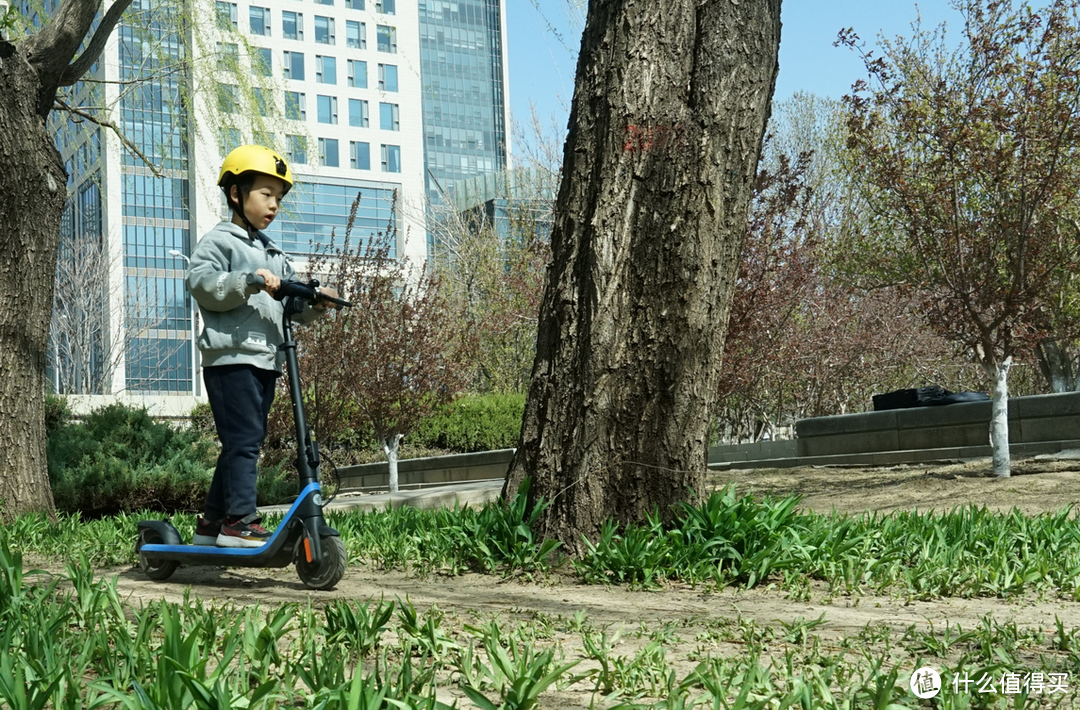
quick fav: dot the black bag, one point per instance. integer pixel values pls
(930, 396)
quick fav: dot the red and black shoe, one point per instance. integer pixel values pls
(206, 531)
(243, 532)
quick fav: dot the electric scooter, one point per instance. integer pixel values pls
(303, 536)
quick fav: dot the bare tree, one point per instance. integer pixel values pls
(665, 132)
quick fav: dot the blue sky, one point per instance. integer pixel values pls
(542, 66)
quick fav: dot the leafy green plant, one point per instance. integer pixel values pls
(517, 672)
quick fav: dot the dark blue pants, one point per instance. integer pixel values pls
(240, 398)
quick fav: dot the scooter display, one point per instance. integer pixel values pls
(302, 537)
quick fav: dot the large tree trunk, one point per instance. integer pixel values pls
(33, 186)
(665, 132)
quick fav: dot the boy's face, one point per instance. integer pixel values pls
(263, 201)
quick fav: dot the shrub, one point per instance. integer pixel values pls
(57, 413)
(481, 423)
(119, 459)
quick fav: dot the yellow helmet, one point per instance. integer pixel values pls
(255, 158)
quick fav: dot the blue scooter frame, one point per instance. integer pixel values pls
(302, 537)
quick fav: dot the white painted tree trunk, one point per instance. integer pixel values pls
(390, 449)
(999, 420)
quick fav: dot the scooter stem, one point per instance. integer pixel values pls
(307, 454)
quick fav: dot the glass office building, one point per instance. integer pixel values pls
(463, 65)
(155, 215)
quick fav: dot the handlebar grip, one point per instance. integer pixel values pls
(255, 280)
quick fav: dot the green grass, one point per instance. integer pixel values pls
(70, 641)
(723, 540)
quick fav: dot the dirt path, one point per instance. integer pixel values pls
(1042, 487)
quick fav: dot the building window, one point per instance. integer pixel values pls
(387, 37)
(292, 25)
(228, 56)
(325, 69)
(226, 15)
(324, 30)
(354, 4)
(227, 98)
(262, 104)
(328, 152)
(324, 2)
(388, 77)
(389, 119)
(327, 109)
(391, 159)
(296, 149)
(358, 113)
(294, 65)
(294, 106)
(263, 138)
(228, 140)
(261, 61)
(355, 34)
(384, 6)
(357, 73)
(260, 20)
(359, 155)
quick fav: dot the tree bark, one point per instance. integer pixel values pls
(390, 449)
(665, 133)
(1058, 365)
(999, 419)
(33, 185)
(33, 188)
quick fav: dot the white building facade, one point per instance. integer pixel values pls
(336, 86)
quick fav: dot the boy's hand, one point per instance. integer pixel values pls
(272, 281)
(328, 291)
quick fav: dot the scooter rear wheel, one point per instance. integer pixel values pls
(325, 573)
(154, 569)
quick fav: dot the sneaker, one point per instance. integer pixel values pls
(244, 532)
(206, 531)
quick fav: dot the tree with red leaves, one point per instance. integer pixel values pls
(969, 159)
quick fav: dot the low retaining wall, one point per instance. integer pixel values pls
(753, 452)
(1041, 418)
(429, 470)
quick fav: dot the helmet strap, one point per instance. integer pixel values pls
(238, 208)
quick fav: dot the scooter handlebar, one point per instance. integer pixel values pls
(308, 292)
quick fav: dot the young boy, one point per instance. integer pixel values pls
(242, 330)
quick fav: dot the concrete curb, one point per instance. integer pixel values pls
(474, 494)
(952, 454)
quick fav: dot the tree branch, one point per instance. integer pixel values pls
(60, 104)
(80, 66)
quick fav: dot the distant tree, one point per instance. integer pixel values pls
(970, 163)
(496, 280)
(669, 110)
(393, 358)
(801, 343)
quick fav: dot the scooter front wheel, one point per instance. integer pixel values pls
(154, 569)
(325, 573)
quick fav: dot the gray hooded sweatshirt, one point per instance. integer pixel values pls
(241, 323)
